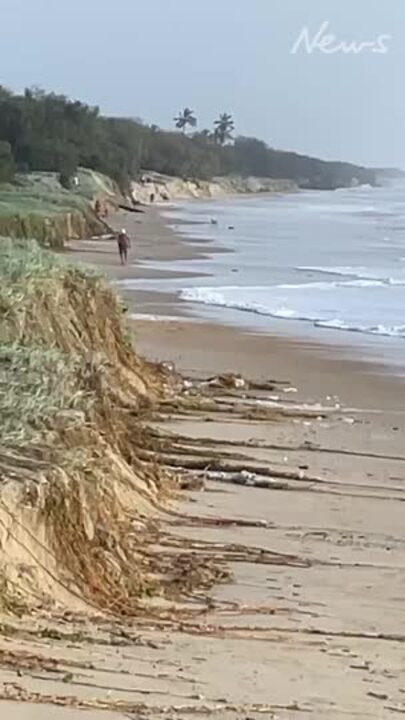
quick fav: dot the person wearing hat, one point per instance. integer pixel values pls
(124, 244)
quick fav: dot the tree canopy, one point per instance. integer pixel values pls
(185, 118)
(224, 128)
(50, 132)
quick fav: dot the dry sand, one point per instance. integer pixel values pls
(311, 625)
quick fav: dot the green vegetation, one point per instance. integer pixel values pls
(7, 167)
(184, 119)
(39, 372)
(77, 486)
(36, 205)
(68, 379)
(224, 128)
(36, 381)
(35, 385)
(47, 132)
(42, 347)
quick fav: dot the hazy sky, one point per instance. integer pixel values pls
(150, 58)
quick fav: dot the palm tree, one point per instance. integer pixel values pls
(185, 118)
(224, 127)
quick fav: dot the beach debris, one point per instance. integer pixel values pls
(211, 465)
(222, 394)
(228, 380)
(13, 692)
(377, 695)
(193, 520)
(290, 390)
(169, 366)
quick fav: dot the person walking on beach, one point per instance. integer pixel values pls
(123, 246)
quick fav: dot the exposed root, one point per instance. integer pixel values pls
(217, 465)
(242, 409)
(185, 442)
(15, 692)
(233, 552)
(85, 477)
(77, 497)
(206, 521)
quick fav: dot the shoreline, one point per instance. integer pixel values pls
(301, 501)
(384, 349)
(309, 358)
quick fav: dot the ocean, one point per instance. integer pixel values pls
(325, 260)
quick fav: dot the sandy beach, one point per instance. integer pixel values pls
(318, 369)
(302, 459)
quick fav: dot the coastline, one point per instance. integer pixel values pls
(164, 323)
(299, 286)
(310, 626)
(165, 188)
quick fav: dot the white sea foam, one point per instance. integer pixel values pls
(347, 247)
(266, 301)
(385, 330)
(217, 296)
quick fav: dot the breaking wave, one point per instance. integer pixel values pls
(297, 302)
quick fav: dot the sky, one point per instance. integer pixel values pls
(151, 58)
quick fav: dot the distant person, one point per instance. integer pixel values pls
(124, 244)
(152, 197)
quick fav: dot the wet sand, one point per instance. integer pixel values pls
(319, 369)
(311, 625)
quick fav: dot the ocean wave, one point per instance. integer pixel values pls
(385, 330)
(216, 296)
(362, 274)
(359, 283)
(225, 297)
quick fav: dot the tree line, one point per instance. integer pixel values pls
(50, 132)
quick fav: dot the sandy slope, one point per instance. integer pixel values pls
(311, 625)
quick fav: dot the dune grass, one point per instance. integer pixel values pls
(37, 206)
(79, 487)
(37, 378)
(72, 392)
(35, 385)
